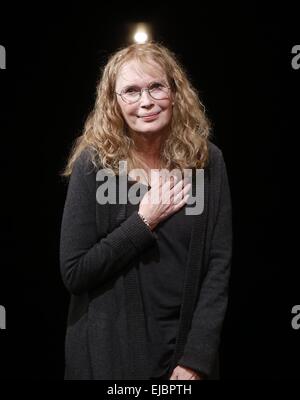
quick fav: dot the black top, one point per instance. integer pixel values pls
(99, 248)
(161, 271)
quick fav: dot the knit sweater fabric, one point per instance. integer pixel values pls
(100, 249)
(161, 271)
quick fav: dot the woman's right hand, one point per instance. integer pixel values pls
(165, 198)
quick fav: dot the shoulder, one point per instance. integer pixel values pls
(83, 173)
(215, 155)
(84, 162)
(216, 168)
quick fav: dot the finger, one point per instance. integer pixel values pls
(174, 179)
(167, 192)
(155, 179)
(183, 183)
(169, 183)
(178, 185)
(155, 190)
(181, 203)
(179, 196)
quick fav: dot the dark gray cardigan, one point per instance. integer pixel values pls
(99, 248)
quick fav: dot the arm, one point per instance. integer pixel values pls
(204, 336)
(87, 261)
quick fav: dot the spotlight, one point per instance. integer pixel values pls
(141, 33)
(140, 37)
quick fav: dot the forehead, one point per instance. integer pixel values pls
(135, 72)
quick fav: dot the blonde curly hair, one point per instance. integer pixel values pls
(105, 132)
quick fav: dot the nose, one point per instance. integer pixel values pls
(145, 100)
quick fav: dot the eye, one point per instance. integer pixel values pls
(156, 85)
(131, 90)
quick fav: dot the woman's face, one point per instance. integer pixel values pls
(147, 115)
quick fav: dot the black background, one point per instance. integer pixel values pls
(239, 59)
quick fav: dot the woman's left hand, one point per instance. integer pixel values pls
(184, 373)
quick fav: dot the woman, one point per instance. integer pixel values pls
(148, 279)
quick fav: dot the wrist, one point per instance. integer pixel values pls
(145, 220)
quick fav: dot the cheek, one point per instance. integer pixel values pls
(167, 106)
(127, 111)
(169, 112)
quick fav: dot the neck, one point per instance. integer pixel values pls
(148, 147)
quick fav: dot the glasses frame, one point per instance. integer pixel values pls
(147, 89)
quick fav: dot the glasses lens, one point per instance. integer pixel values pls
(158, 91)
(131, 95)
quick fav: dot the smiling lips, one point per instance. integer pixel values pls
(149, 116)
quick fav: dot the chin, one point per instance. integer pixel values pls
(151, 129)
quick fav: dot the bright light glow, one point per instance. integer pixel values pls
(141, 37)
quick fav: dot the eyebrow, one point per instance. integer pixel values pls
(153, 81)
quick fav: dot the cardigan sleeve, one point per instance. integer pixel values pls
(202, 343)
(87, 261)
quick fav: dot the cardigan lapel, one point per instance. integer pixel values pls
(137, 349)
(193, 272)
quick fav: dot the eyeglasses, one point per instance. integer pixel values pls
(132, 94)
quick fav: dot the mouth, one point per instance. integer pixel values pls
(151, 116)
